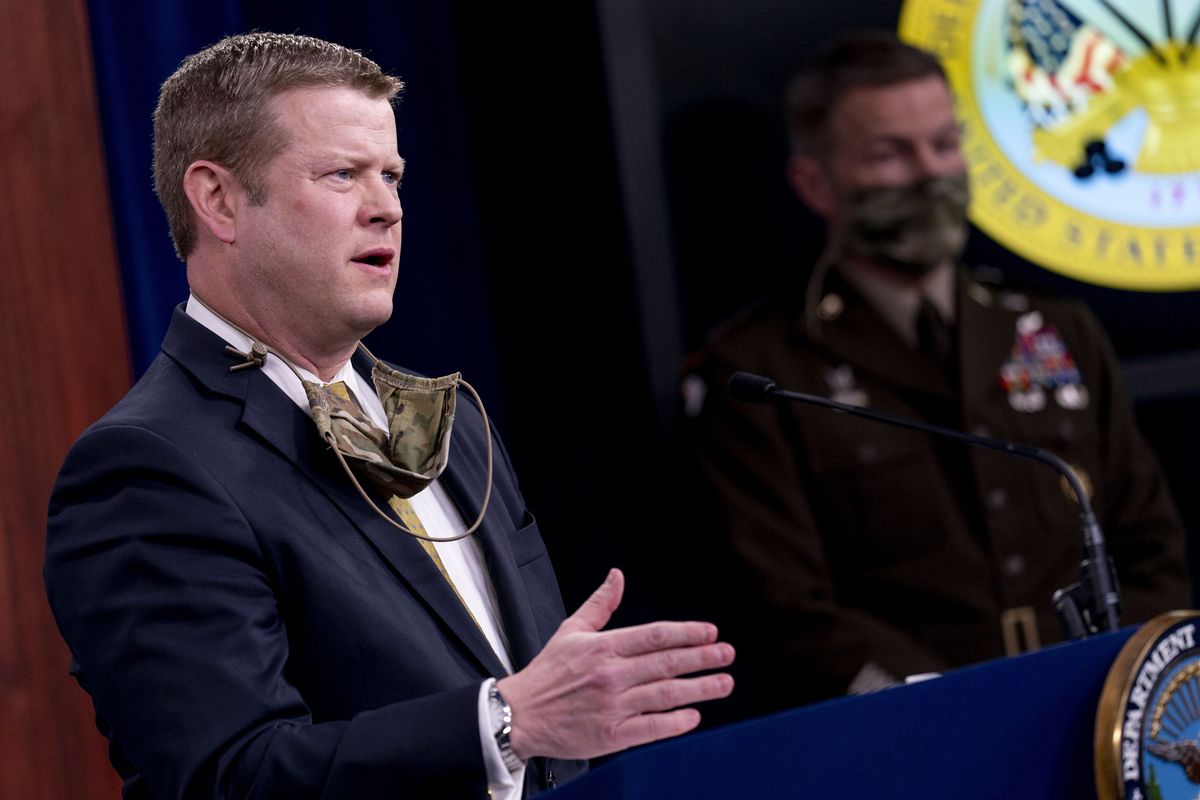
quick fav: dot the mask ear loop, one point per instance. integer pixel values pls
(487, 495)
(257, 356)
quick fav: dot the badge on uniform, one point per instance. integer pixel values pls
(844, 388)
(1040, 364)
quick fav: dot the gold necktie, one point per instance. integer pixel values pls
(404, 509)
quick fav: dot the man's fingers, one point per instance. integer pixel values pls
(652, 727)
(652, 717)
(673, 663)
(669, 694)
(598, 609)
(656, 636)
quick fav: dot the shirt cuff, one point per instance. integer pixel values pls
(502, 784)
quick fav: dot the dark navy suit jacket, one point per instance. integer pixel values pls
(246, 625)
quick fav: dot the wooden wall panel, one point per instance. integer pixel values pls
(64, 360)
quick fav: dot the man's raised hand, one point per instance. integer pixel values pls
(590, 692)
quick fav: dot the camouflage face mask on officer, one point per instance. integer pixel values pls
(913, 227)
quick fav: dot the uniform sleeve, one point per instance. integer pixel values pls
(171, 615)
(757, 499)
(1144, 534)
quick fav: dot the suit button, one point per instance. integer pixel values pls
(981, 430)
(1014, 566)
(997, 499)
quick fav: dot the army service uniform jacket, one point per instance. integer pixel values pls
(247, 626)
(868, 544)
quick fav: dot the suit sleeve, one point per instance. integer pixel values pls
(173, 619)
(758, 499)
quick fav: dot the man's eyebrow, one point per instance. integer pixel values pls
(889, 138)
(903, 138)
(358, 158)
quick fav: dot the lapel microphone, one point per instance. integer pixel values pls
(1090, 606)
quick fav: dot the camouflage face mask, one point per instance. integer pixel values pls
(416, 446)
(407, 457)
(913, 227)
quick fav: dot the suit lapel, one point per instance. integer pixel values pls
(270, 414)
(985, 339)
(465, 480)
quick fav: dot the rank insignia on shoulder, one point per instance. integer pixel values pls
(844, 388)
(1040, 363)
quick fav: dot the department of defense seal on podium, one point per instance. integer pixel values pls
(1148, 719)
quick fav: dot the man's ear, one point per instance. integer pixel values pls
(810, 180)
(216, 197)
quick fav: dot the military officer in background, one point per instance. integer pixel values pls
(875, 552)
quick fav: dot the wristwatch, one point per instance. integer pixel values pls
(502, 727)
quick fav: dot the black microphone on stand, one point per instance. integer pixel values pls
(1093, 604)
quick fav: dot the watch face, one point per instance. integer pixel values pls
(1080, 126)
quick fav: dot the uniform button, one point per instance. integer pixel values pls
(830, 307)
(694, 390)
(981, 430)
(997, 499)
(867, 454)
(1014, 566)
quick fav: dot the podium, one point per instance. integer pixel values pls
(1019, 727)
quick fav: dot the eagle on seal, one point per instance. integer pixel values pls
(1185, 752)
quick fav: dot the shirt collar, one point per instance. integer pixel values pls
(898, 303)
(282, 375)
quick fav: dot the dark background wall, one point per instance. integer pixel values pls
(590, 188)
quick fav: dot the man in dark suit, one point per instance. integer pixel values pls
(264, 607)
(875, 553)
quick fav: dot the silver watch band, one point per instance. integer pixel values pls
(502, 727)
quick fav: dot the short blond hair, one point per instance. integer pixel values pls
(216, 107)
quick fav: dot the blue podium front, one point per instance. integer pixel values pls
(1015, 728)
